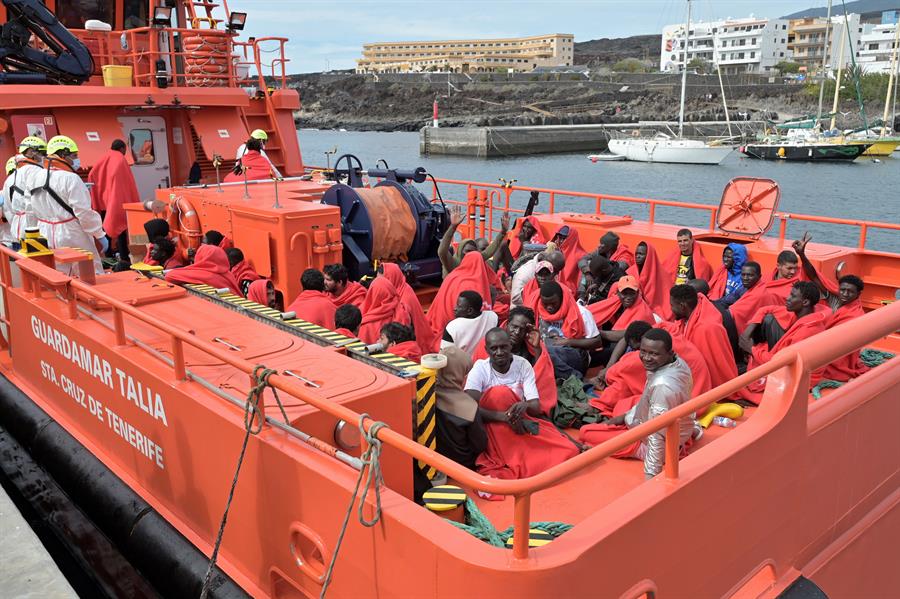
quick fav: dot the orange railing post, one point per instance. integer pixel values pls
(673, 442)
(521, 525)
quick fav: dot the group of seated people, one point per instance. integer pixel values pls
(523, 318)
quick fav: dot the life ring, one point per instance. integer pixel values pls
(209, 68)
(194, 43)
(185, 222)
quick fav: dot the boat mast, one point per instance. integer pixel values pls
(887, 97)
(824, 64)
(837, 85)
(724, 101)
(684, 62)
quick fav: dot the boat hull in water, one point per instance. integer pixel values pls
(674, 151)
(881, 147)
(823, 152)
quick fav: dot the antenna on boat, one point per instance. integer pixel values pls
(217, 162)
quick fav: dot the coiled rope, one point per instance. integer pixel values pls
(371, 470)
(253, 424)
(870, 357)
(478, 525)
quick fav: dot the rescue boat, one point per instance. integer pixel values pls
(228, 449)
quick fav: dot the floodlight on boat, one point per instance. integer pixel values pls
(236, 21)
(162, 16)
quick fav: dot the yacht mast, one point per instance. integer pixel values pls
(687, 36)
(823, 75)
(837, 85)
(887, 97)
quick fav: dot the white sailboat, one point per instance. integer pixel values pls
(665, 148)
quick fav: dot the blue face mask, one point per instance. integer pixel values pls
(76, 163)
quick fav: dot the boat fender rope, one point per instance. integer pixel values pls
(478, 525)
(371, 461)
(253, 424)
(870, 357)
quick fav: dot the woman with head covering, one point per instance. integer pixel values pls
(458, 426)
(727, 279)
(210, 267)
(382, 306)
(425, 336)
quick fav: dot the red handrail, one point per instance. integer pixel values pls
(803, 358)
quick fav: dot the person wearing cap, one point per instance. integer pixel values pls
(527, 272)
(60, 204)
(256, 143)
(29, 161)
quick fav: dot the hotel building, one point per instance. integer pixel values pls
(468, 56)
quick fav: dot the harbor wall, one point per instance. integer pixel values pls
(488, 142)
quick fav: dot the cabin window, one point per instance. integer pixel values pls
(135, 14)
(141, 143)
(74, 13)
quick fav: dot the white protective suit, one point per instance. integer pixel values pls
(16, 204)
(56, 224)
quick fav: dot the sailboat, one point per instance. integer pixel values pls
(665, 148)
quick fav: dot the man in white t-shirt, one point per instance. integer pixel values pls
(471, 324)
(504, 369)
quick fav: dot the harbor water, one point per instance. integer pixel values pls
(865, 189)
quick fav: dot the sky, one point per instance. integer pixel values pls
(329, 35)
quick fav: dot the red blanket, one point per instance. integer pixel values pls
(210, 267)
(717, 283)
(704, 329)
(655, 283)
(259, 292)
(624, 254)
(408, 349)
(315, 307)
(428, 341)
(572, 250)
(568, 313)
(382, 306)
(543, 375)
(345, 332)
(849, 366)
(801, 329)
(515, 246)
(606, 310)
(353, 293)
(777, 290)
(470, 275)
(531, 292)
(113, 187)
(257, 168)
(702, 269)
(243, 271)
(512, 456)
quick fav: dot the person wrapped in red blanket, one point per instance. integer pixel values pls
(113, 187)
(262, 291)
(470, 275)
(771, 290)
(347, 319)
(654, 281)
(252, 164)
(527, 230)
(612, 247)
(843, 299)
(519, 444)
(774, 328)
(400, 340)
(687, 262)
(210, 267)
(698, 321)
(341, 289)
(568, 242)
(561, 325)
(622, 308)
(426, 338)
(382, 306)
(526, 343)
(241, 268)
(313, 304)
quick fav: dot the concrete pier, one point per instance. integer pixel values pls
(26, 569)
(487, 142)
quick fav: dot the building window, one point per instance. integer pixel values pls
(753, 55)
(873, 46)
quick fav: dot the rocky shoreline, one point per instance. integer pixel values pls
(355, 102)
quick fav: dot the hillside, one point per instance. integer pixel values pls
(607, 52)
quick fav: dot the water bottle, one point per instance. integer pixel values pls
(724, 422)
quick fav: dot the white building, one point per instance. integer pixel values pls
(748, 45)
(806, 41)
(875, 49)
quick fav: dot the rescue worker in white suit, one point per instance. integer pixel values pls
(5, 235)
(28, 163)
(61, 204)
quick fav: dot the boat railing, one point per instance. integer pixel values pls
(486, 198)
(788, 373)
(191, 57)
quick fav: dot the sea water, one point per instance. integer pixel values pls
(865, 189)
